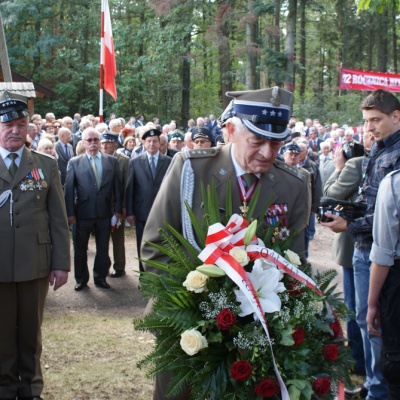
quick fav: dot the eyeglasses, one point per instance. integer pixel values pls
(90, 140)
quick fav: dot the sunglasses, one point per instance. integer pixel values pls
(57, 126)
(90, 140)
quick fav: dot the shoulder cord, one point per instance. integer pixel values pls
(3, 199)
(187, 190)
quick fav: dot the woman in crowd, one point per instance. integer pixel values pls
(129, 145)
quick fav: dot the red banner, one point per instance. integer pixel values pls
(353, 79)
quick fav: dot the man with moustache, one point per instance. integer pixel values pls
(256, 128)
(92, 196)
(34, 248)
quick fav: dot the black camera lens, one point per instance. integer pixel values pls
(351, 149)
(321, 215)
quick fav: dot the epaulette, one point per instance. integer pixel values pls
(296, 172)
(42, 154)
(200, 153)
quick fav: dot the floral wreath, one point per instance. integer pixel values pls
(243, 320)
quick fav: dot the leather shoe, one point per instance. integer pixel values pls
(117, 273)
(102, 283)
(79, 287)
(360, 392)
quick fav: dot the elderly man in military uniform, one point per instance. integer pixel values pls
(176, 140)
(35, 251)
(202, 138)
(109, 145)
(256, 130)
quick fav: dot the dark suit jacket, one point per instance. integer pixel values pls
(38, 239)
(75, 138)
(171, 152)
(141, 188)
(62, 159)
(83, 198)
(317, 142)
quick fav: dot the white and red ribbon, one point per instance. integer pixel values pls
(220, 240)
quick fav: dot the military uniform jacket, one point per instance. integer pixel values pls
(38, 239)
(281, 184)
(123, 163)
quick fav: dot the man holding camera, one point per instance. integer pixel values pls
(381, 113)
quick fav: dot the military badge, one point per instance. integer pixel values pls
(277, 214)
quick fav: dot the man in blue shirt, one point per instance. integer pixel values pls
(381, 113)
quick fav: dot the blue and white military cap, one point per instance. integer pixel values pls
(108, 137)
(264, 112)
(12, 108)
(291, 147)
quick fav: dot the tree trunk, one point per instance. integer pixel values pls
(382, 40)
(185, 83)
(225, 63)
(303, 75)
(394, 38)
(251, 47)
(290, 44)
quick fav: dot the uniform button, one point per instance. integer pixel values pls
(16, 212)
(17, 226)
(15, 200)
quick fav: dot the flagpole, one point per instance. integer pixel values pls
(101, 63)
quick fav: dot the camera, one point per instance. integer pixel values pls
(352, 149)
(345, 209)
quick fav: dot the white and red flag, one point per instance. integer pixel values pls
(107, 56)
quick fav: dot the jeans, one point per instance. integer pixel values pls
(309, 232)
(377, 388)
(353, 330)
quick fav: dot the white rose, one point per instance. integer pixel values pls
(195, 282)
(240, 255)
(192, 341)
(292, 257)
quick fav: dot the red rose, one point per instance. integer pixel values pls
(336, 328)
(294, 288)
(225, 319)
(331, 352)
(321, 386)
(298, 336)
(241, 370)
(266, 388)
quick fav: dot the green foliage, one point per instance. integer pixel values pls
(57, 44)
(176, 310)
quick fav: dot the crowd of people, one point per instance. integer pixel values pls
(126, 171)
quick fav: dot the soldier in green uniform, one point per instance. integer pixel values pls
(34, 248)
(256, 127)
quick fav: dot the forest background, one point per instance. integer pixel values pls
(176, 59)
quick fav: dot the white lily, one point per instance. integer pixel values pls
(266, 284)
